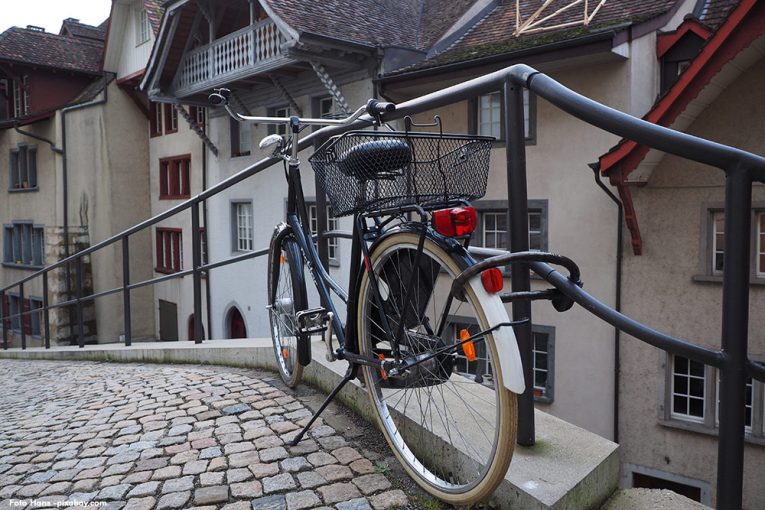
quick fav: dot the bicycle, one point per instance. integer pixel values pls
(427, 329)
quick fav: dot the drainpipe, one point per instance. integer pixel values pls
(618, 305)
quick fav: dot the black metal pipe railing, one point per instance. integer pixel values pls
(742, 168)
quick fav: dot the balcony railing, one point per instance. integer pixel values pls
(253, 49)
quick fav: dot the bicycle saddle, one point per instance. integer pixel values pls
(377, 159)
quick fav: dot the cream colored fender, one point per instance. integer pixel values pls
(504, 338)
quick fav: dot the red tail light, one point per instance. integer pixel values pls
(455, 222)
(492, 280)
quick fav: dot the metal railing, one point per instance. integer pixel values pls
(742, 169)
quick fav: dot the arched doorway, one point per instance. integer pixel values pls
(236, 325)
(190, 329)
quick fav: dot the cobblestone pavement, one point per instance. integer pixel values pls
(167, 437)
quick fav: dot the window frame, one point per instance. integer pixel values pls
(175, 257)
(706, 272)
(474, 120)
(278, 111)
(20, 96)
(170, 118)
(333, 244)
(175, 177)
(753, 433)
(16, 173)
(199, 115)
(35, 244)
(236, 228)
(235, 135)
(142, 27)
(156, 119)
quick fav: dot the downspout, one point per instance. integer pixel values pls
(618, 304)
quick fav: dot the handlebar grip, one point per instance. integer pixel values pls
(375, 107)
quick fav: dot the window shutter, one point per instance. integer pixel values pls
(32, 166)
(26, 319)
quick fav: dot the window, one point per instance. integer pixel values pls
(543, 338)
(332, 224)
(174, 175)
(241, 216)
(23, 244)
(21, 101)
(22, 168)
(171, 119)
(15, 310)
(492, 230)
(486, 114)
(282, 111)
(543, 358)
(199, 115)
(155, 120)
(718, 242)
(241, 138)
(694, 397)
(142, 26)
(328, 108)
(35, 318)
(169, 250)
(712, 263)
(761, 245)
(203, 246)
(688, 389)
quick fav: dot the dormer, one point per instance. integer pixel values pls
(677, 48)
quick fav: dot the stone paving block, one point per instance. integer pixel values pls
(143, 489)
(173, 501)
(305, 447)
(185, 483)
(57, 488)
(311, 479)
(362, 466)
(235, 409)
(41, 476)
(295, 464)
(252, 489)
(211, 478)
(114, 492)
(302, 500)
(390, 499)
(244, 446)
(332, 442)
(239, 505)
(166, 473)
(369, 484)
(321, 459)
(277, 502)
(268, 442)
(272, 454)
(209, 453)
(354, 504)
(89, 473)
(137, 477)
(211, 495)
(183, 458)
(335, 472)
(346, 455)
(179, 430)
(140, 504)
(225, 439)
(261, 470)
(178, 448)
(111, 480)
(238, 475)
(217, 464)
(338, 492)
(195, 467)
(85, 485)
(278, 483)
(152, 464)
(243, 459)
(206, 442)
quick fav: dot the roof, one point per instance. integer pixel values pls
(743, 25)
(493, 35)
(73, 28)
(155, 11)
(413, 24)
(32, 47)
(713, 12)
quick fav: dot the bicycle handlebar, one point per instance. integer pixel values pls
(373, 108)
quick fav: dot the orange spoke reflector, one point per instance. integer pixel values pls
(383, 374)
(281, 260)
(468, 347)
(285, 352)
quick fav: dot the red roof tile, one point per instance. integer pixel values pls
(50, 50)
(155, 11)
(73, 28)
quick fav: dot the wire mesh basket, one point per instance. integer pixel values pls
(368, 170)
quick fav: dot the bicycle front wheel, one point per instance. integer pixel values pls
(286, 297)
(449, 420)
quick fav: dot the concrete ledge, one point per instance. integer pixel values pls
(568, 467)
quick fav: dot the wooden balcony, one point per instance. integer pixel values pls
(252, 50)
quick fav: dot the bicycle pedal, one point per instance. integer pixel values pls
(312, 321)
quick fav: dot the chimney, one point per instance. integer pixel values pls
(34, 28)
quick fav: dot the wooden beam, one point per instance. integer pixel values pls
(323, 59)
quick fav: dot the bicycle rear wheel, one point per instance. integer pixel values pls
(286, 297)
(450, 421)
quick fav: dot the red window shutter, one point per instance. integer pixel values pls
(176, 251)
(167, 248)
(186, 165)
(174, 186)
(163, 176)
(158, 244)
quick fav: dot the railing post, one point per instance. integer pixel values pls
(21, 317)
(126, 291)
(735, 321)
(515, 151)
(78, 290)
(196, 249)
(46, 312)
(2, 320)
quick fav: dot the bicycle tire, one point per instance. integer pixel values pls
(464, 481)
(286, 296)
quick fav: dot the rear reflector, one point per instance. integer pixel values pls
(455, 222)
(492, 280)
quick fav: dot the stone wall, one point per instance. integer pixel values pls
(63, 321)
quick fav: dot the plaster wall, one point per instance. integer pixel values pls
(108, 193)
(179, 291)
(660, 290)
